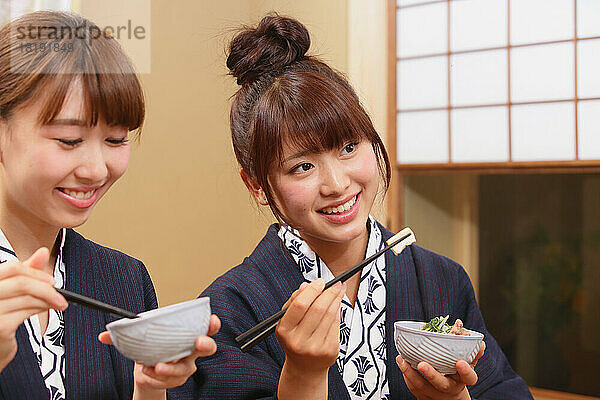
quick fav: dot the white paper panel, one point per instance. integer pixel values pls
(588, 117)
(423, 83)
(411, 2)
(542, 72)
(543, 132)
(533, 21)
(480, 134)
(479, 78)
(422, 137)
(477, 24)
(422, 30)
(588, 18)
(588, 68)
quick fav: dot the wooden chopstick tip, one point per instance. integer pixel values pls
(397, 249)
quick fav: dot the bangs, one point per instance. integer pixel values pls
(110, 87)
(310, 114)
(117, 99)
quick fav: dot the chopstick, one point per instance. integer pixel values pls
(267, 326)
(73, 297)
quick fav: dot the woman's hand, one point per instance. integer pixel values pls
(309, 333)
(151, 382)
(25, 290)
(428, 384)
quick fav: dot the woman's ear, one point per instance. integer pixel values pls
(254, 188)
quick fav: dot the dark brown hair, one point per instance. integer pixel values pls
(286, 95)
(42, 53)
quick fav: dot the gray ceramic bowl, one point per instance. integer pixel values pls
(164, 334)
(441, 350)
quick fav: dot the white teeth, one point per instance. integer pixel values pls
(341, 208)
(79, 195)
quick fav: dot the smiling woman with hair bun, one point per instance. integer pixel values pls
(308, 150)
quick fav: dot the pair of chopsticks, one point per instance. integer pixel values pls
(260, 331)
(73, 297)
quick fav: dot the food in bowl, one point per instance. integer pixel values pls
(441, 350)
(439, 325)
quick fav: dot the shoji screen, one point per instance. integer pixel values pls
(497, 81)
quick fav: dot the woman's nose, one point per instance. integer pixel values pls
(93, 169)
(335, 180)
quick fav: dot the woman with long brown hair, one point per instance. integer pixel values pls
(69, 102)
(308, 150)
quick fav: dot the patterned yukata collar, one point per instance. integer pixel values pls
(361, 363)
(6, 251)
(305, 257)
(309, 262)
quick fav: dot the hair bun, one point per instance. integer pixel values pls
(274, 44)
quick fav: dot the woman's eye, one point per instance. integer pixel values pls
(69, 142)
(117, 140)
(304, 167)
(349, 148)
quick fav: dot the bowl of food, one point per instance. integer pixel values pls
(164, 334)
(437, 343)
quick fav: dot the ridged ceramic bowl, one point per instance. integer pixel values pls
(441, 350)
(164, 334)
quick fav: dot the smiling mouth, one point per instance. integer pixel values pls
(78, 195)
(341, 208)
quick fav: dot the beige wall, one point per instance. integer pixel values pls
(367, 66)
(443, 212)
(325, 20)
(181, 207)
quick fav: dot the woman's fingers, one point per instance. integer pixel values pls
(24, 281)
(149, 371)
(479, 354)
(22, 285)
(427, 383)
(12, 320)
(298, 308)
(166, 375)
(439, 382)
(148, 378)
(105, 338)
(39, 259)
(21, 302)
(416, 383)
(205, 346)
(25, 290)
(333, 335)
(467, 374)
(214, 326)
(305, 331)
(319, 315)
(303, 285)
(180, 369)
(15, 268)
(330, 322)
